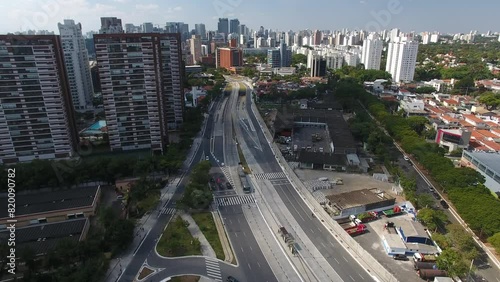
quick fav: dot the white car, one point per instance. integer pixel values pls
(207, 158)
(406, 158)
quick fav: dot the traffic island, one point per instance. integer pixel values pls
(177, 241)
(144, 273)
(206, 223)
(243, 161)
(186, 278)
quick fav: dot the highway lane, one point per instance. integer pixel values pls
(346, 267)
(250, 258)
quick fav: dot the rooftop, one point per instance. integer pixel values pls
(491, 160)
(51, 201)
(44, 237)
(410, 227)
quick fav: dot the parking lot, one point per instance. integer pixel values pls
(351, 182)
(303, 138)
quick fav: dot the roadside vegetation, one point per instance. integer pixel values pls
(206, 223)
(197, 195)
(177, 241)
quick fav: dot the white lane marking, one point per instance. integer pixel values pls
(312, 231)
(361, 276)
(332, 244)
(345, 259)
(323, 245)
(351, 278)
(249, 266)
(336, 260)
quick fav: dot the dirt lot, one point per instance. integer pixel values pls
(352, 182)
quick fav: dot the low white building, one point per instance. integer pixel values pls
(413, 107)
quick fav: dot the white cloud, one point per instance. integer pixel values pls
(146, 7)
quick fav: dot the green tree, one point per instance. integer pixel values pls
(425, 90)
(495, 241)
(432, 218)
(424, 201)
(299, 59)
(490, 100)
(452, 262)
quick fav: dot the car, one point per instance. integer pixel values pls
(207, 158)
(406, 158)
(400, 257)
(436, 195)
(444, 204)
(231, 279)
(228, 185)
(431, 189)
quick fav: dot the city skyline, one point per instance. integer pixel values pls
(338, 14)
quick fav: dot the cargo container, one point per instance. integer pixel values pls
(428, 274)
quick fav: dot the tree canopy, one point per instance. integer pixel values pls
(490, 100)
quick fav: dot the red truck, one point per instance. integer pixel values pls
(356, 230)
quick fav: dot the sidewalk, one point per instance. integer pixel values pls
(206, 248)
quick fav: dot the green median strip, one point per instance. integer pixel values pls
(206, 223)
(177, 241)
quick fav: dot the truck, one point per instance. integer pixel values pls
(424, 257)
(356, 230)
(429, 274)
(393, 212)
(367, 216)
(417, 265)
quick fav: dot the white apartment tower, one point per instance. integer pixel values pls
(36, 113)
(195, 48)
(372, 52)
(401, 59)
(77, 64)
(142, 90)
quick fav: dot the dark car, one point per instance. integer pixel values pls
(228, 185)
(231, 279)
(444, 204)
(400, 257)
(436, 195)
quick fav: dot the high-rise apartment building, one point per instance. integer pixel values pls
(36, 113)
(401, 59)
(77, 64)
(195, 47)
(141, 81)
(223, 26)
(372, 52)
(111, 25)
(317, 36)
(234, 25)
(273, 58)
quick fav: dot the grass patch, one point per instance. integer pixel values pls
(206, 222)
(148, 203)
(177, 241)
(243, 161)
(145, 272)
(187, 278)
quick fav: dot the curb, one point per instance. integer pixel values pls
(226, 245)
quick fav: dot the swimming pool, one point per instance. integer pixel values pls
(94, 128)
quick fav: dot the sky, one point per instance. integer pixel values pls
(445, 16)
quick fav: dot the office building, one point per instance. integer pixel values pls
(77, 64)
(141, 81)
(334, 60)
(273, 58)
(234, 26)
(372, 52)
(147, 28)
(111, 25)
(223, 26)
(195, 47)
(36, 112)
(242, 29)
(318, 65)
(200, 30)
(131, 28)
(401, 59)
(229, 58)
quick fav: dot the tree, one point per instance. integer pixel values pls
(462, 241)
(299, 59)
(464, 84)
(431, 218)
(490, 100)
(451, 261)
(495, 241)
(424, 201)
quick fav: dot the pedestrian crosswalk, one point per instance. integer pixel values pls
(225, 170)
(234, 200)
(213, 269)
(166, 210)
(272, 175)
